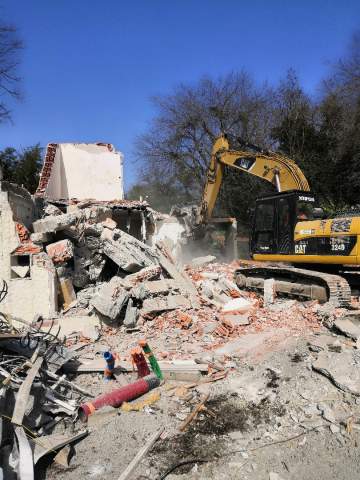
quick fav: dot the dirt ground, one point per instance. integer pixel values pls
(273, 417)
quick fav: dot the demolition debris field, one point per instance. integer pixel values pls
(249, 386)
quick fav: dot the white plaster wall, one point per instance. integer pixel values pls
(26, 296)
(86, 171)
(36, 295)
(8, 237)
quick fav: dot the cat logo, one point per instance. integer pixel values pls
(300, 248)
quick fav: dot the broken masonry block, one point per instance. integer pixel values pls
(131, 315)
(67, 292)
(237, 305)
(269, 291)
(52, 210)
(147, 273)
(54, 223)
(41, 237)
(111, 298)
(155, 288)
(60, 252)
(171, 302)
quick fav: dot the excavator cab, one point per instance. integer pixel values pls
(275, 218)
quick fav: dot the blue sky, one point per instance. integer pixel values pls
(89, 67)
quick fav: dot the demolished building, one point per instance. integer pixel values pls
(88, 266)
(62, 239)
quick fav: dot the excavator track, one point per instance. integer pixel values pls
(298, 282)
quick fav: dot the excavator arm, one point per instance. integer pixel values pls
(277, 169)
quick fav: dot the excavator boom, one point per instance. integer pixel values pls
(277, 169)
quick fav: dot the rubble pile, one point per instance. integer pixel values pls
(97, 262)
(210, 347)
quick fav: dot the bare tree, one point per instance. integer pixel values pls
(344, 79)
(10, 46)
(178, 145)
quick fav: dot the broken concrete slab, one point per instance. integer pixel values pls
(147, 273)
(242, 346)
(274, 476)
(349, 325)
(341, 368)
(210, 327)
(88, 263)
(225, 285)
(111, 298)
(171, 302)
(318, 343)
(181, 277)
(210, 275)
(238, 320)
(126, 251)
(86, 325)
(39, 238)
(61, 251)
(155, 288)
(207, 289)
(282, 305)
(55, 223)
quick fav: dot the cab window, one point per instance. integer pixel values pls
(305, 211)
(265, 217)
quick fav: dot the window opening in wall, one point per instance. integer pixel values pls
(19, 266)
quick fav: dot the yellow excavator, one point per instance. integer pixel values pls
(288, 227)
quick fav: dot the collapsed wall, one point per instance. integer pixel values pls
(27, 274)
(82, 170)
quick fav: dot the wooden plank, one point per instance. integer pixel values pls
(194, 413)
(24, 392)
(175, 366)
(140, 455)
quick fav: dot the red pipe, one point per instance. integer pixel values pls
(120, 395)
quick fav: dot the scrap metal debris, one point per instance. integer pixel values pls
(25, 380)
